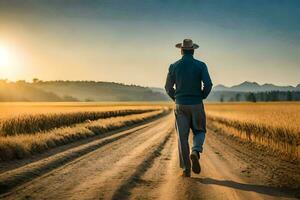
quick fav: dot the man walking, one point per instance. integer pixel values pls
(193, 84)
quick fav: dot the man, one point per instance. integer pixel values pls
(193, 84)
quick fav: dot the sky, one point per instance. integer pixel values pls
(133, 41)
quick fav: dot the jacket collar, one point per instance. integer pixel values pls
(188, 56)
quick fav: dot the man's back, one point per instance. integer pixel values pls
(188, 74)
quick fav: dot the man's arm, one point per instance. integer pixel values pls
(169, 86)
(207, 84)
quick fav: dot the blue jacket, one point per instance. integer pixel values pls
(188, 75)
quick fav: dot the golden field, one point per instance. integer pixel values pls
(275, 125)
(29, 128)
(35, 128)
(16, 118)
(29, 124)
(16, 109)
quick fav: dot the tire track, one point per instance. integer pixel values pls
(159, 180)
(110, 180)
(123, 192)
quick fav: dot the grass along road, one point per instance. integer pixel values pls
(274, 125)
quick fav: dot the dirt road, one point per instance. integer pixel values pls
(143, 164)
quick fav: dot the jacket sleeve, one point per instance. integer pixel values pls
(207, 84)
(170, 81)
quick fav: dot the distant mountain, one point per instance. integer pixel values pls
(255, 87)
(246, 86)
(221, 87)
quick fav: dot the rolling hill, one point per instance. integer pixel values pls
(99, 91)
(22, 91)
(76, 91)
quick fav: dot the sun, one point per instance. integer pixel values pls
(8, 62)
(5, 57)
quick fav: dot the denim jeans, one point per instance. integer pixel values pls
(189, 117)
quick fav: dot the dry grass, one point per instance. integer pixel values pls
(26, 117)
(22, 145)
(276, 125)
(16, 109)
(28, 124)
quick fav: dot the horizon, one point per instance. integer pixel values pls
(133, 42)
(99, 81)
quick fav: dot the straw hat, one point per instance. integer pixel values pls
(187, 44)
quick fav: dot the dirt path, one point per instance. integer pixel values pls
(144, 165)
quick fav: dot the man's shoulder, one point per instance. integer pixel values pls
(199, 62)
(176, 62)
(196, 61)
(173, 65)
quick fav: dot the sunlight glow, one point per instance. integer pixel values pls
(5, 57)
(8, 62)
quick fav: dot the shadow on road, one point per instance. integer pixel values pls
(262, 189)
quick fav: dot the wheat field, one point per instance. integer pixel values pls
(16, 109)
(275, 125)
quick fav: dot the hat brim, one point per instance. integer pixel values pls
(179, 45)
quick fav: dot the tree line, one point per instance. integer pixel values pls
(264, 96)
